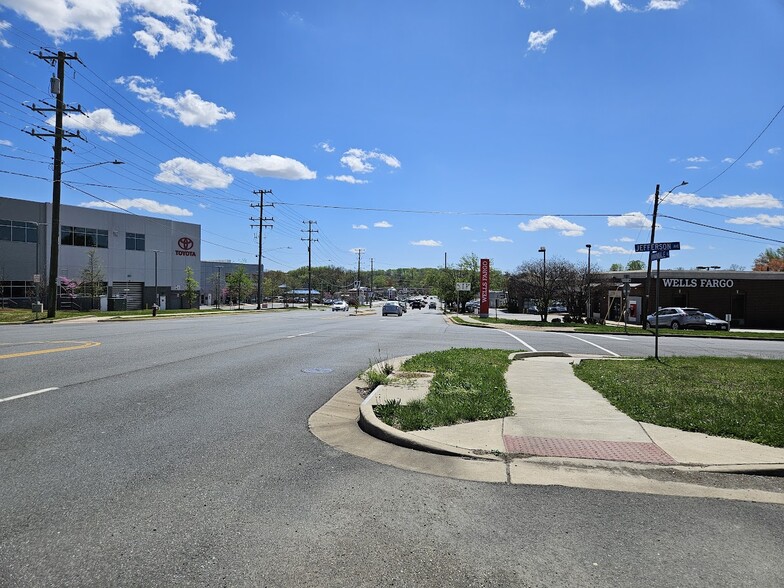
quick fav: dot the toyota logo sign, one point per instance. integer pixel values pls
(185, 244)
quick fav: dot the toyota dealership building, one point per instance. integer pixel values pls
(134, 253)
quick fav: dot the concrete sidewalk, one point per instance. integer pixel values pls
(557, 415)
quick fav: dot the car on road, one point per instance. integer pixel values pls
(676, 317)
(340, 305)
(391, 308)
(714, 322)
(417, 304)
(432, 305)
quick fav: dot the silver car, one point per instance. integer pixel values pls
(391, 308)
(676, 317)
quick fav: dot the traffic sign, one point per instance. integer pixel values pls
(656, 255)
(463, 286)
(671, 246)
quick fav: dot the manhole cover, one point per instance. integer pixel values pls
(317, 370)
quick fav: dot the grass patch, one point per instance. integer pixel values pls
(468, 385)
(742, 398)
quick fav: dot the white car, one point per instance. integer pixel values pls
(339, 305)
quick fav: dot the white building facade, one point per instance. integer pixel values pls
(134, 253)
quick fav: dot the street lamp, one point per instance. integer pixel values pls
(156, 252)
(543, 251)
(588, 308)
(218, 293)
(54, 252)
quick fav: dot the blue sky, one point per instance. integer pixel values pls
(414, 129)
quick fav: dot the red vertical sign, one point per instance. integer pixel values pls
(484, 287)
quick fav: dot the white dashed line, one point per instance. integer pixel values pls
(301, 335)
(594, 344)
(27, 394)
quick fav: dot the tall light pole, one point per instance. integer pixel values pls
(656, 201)
(543, 251)
(218, 296)
(156, 252)
(588, 308)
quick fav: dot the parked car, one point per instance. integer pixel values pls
(472, 306)
(557, 308)
(432, 305)
(714, 322)
(391, 308)
(340, 305)
(676, 317)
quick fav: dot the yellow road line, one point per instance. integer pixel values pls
(79, 345)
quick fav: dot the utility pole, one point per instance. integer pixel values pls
(60, 108)
(371, 282)
(310, 230)
(359, 281)
(646, 305)
(262, 219)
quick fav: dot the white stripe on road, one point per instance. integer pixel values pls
(519, 340)
(27, 394)
(301, 335)
(610, 337)
(594, 344)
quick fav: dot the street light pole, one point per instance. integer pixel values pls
(543, 312)
(588, 307)
(156, 252)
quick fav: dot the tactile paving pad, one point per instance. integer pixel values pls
(588, 449)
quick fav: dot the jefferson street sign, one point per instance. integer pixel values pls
(672, 246)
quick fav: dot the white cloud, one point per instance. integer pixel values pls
(359, 227)
(625, 240)
(774, 150)
(697, 159)
(427, 243)
(165, 23)
(382, 225)
(358, 160)
(566, 228)
(326, 147)
(270, 166)
(687, 247)
(538, 40)
(755, 164)
(199, 176)
(4, 24)
(616, 5)
(764, 220)
(498, 239)
(347, 179)
(6, 143)
(189, 108)
(466, 228)
(693, 167)
(728, 160)
(665, 4)
(614, 250)
(752, 200)
(140, 204)
(629, 220)
(100, 121)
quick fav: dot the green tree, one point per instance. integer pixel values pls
(92, 276)
(239, 284)
(191, 287)
(635, 265)
(616, 267)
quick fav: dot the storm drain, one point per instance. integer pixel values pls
(588, 449)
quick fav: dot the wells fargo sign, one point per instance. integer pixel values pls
(484, 287)
(696, 283)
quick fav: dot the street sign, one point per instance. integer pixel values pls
(656, 255)
(463, 286)
(36, 278)
(671, 246)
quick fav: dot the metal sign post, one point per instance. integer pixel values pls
(658, 251)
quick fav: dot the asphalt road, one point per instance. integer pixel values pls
(176, 452)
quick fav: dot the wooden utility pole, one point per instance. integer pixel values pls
(261, 226)
(57, 84)
(310, 230)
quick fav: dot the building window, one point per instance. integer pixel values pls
(84, 237)
(20, 231)
(134, 241)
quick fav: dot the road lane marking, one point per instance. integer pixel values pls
(594, 344)
(301, 335)
(609, 337)
(27, 394)
(79, 345)
(519, 340)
